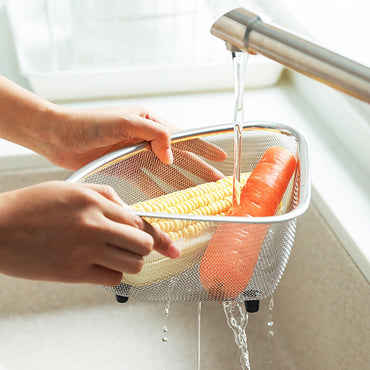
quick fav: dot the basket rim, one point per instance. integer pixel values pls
(305, 176)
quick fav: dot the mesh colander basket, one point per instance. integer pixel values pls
(137, 175)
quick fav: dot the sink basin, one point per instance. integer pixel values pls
(59, 326)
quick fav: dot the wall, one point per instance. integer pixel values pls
(8, 60)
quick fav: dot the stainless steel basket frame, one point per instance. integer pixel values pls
(305, 176)
(185, 285)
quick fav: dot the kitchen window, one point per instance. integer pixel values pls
(95, 49)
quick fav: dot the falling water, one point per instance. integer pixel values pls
(270, 333)
(237, 319)
(165, 327)
(171, 286)
(239, 60)
(270, 323)
(199, 311)
(236, 315)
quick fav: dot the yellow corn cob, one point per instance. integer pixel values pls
(192, 237)
(212, 198)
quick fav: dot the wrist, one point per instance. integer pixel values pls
(25, 118)
(37, 132)
(48, 123)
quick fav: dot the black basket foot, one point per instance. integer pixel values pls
(252, 306)
(121, 299)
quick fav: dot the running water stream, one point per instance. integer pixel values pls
(236, 315)
(199, 311)
(239, 61)
(237, 319)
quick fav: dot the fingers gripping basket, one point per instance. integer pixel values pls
(137, 175)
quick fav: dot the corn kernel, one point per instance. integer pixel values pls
(214, 198)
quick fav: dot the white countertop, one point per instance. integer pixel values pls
(340, 189)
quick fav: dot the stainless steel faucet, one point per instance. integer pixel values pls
(243, 30)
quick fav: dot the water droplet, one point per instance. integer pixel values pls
(270, 323)
(165, 329)
(271, 303)
(164, 339)
(270, 334)
(167, 309)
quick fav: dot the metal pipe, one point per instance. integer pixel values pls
(245, 31)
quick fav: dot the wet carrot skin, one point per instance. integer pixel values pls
(231, 256)
(264, 190)
(225, 272)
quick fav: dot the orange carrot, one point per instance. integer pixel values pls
(231, 256)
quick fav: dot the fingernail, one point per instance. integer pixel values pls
(173, 251)
(169, 156)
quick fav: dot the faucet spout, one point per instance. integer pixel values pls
(243, 30)
(233, 28)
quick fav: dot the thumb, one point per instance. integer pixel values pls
(158, 134)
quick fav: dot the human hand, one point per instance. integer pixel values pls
(84, 135)
(91, 133)
(80, 233)
(79, 136)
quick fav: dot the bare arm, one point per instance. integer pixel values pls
(23, 116)
(71, 138)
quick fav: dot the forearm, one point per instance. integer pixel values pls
(24, 117)
(71, 138)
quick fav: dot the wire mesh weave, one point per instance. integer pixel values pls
(137, 175)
